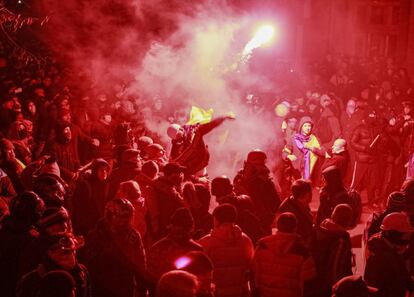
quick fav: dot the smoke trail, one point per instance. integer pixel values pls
(184, 54)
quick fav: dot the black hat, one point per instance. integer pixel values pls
(256, 157)
(171, 168)
(183, 218)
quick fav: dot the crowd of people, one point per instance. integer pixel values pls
(93, 204)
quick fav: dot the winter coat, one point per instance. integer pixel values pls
(349, 123)
(29, 285)
(281, 265)
(67, 158)
(104, 133)
(13, 169)
(116, 262)
(191, 151)
(303, 215)
(329, 199)
(7, 191)
(373, 225)
(14, 238)
(127, 171)
(385, 269)
(247, 218)
(164, 253)
(88, 203)
(331, 250)
(328, 127)
(361, 139)
(163, 201)
(231, 252)
(340, 161)
(256, 182)
(285, 174)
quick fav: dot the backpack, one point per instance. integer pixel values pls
(355, 202)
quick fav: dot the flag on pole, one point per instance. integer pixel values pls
(199, 115)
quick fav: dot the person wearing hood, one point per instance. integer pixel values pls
(247, 218)
(231, 252)
(298, 204)
(282, 264)
(364, 142)
(331, 194)
(385, 267)
(331, 249)
(164, 198)
(309, 147)
(128, 169)
(115, 253)
(328, 127)
(65, 152)
(90, 197)
(254, 180)
(16, 233)
(164, 254)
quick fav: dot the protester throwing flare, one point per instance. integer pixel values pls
(188, 147)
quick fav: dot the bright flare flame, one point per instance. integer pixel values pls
(262, 36)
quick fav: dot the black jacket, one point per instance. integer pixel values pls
(385, 269)
(116, 262)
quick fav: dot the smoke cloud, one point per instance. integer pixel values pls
(176, 53)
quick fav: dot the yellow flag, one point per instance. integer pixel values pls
(200, 116)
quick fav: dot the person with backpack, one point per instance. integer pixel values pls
(331, 249)
(332, 193)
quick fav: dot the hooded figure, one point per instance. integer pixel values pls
(90, 197)
(231, 252)
(309, 146)
(332, 193)
(331, 249)
(254, 180)
(65, 151)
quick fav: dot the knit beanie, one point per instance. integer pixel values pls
(342, 215)
(396, 200)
